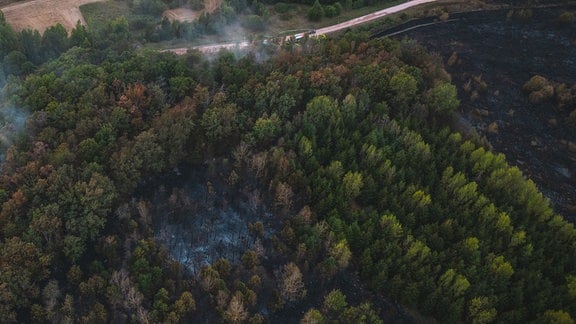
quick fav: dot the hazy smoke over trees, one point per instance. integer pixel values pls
(12, 119)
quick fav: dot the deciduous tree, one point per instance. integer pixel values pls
(290, 282)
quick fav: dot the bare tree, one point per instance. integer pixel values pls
(51, 294)
(290, 282)
(259, 248)
(284, 194)
(130, 297)
(236, 312)
(254, 200)
(144, 212)
(306, 214)
(258, 164)
(208, 278)
(240, 154)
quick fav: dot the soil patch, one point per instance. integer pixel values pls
(496, 56)
(189, 15)
(211, 5)
(181, 14)
(42, 14)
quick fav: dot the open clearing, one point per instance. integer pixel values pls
(211, 5)
(41, 14)
(189, 15)
(181, 14)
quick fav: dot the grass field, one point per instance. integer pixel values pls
(98, 13)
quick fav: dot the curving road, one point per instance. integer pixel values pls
(371, 16)
(321, 31)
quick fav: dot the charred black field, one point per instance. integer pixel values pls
(490, 56)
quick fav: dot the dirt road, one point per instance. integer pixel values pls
(321, 31)
(371, 16)
(216, 47)
(208, 49)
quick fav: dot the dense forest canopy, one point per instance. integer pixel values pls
(347, 143)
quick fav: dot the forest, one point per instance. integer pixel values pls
(340, 155)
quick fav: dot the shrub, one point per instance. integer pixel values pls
(540, 89)
(281, 7)
(444, 16)
(535, 83)
(565, 96)
(520, 14)
(333, 10)
(571, 120)
(566, 19)
(357, 4)
(453, 59)
(316, 12)
(537, 97)
(480, 84)
(196, 4)
(254, 23)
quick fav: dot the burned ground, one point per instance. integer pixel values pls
(490, 57)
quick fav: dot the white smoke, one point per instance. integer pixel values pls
(12, 120)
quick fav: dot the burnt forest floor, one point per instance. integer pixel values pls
(494, 55)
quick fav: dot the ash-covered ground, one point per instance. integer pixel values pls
(490, 57)
(202, 221)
